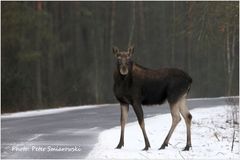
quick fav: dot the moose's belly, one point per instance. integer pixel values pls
(154, 95)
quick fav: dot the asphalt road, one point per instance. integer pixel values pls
(70, 134)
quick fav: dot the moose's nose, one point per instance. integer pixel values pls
(124, 70)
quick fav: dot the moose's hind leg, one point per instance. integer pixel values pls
(174, 108)
(188, 119)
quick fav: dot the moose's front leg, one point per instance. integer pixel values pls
(124, 116)
(139, 113)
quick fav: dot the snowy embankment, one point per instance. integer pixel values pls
(211, 138)
(40, 112)
(50, 111)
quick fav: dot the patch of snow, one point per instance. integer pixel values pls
(50, 111)
(88, 131)
(36, 136)
(211, 138)
(213, 98)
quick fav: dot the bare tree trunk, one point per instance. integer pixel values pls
(96, 75)
(98, 50)
(112, 23)
(39, 6)
(173, 34)
(189, 35)
(39, 83)
(50, 77)
(230, 58)
(141, 15)
(130, 41)
(50, 58)
(225, 66)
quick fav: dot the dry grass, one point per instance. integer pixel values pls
(233, 117)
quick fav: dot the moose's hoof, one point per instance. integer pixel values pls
(119, 146)
(145, 148)
(163, 146)
(187, 148)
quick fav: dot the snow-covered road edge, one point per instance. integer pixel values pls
(51, 111)
(211, 138)
(66, 109)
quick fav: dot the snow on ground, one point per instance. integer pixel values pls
(211, 138)
(65, 109)
(50, 111)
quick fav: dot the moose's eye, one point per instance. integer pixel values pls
(118, 56)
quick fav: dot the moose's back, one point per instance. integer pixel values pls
(158, 85)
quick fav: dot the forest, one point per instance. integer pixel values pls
(56, 54)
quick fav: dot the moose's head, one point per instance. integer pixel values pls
(124, 59)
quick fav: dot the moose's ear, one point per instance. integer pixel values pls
(131, 50)
(115, 50)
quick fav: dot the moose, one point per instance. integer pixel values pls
(136, 86)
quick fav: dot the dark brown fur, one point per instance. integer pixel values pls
(142, 86)
(150, 86)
